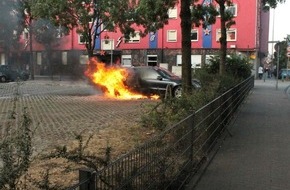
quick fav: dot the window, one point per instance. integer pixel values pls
(105, 26)
(195, 61)
(84, 59)
(152, 60)
(59, 32)
(172, 12)
(3, 58)
(126, 60)
(15, 34)
(39, 58)
(171, 36)
(208, 58)
(232, 9)
(64, 58)
(108, 44)
(194, 35)
(231, 35)
(81, 39)
(134, 39)
(25, 34)
(92, 19)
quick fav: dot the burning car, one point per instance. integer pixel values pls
(111, 80)
(136, 82)
(150, 80)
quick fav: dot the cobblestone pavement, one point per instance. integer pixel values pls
(60, 109)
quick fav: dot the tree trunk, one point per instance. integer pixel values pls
(223, 39)
(90, 53)
(31, 65)
(49, 62)
(90, 49)
(185, 16)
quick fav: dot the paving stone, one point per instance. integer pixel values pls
(60, 109)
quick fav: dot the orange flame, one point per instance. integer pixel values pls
(111, 80)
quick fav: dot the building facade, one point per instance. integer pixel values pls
(248, 37)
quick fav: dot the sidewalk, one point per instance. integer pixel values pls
(257, 156)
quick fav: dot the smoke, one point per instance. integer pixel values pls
(10, 24)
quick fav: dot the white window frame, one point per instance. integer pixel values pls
(84, 59)
(3, 59)
(195, 61)
(126, 60)
(25, 34)
(59, 33)
(196, 31)
(64, 57)
(229, 31)
(172, 13)
(80, 39)
(103, 28)
(14, 34)
(39, 58)
(134, 39)
(155, 61)
(171, 35)
(233, 9)
(92, 19)
(107, 44)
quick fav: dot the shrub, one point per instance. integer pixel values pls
(237, 66)
(172, 110)
(15, 148)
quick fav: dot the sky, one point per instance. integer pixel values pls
(280, 19)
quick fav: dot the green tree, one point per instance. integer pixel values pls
(281, 47)
(26, 21)
(15, 146)
(192, 14)
(91, 18)
(267, 4)
(226, 22)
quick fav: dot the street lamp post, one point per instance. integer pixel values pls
(112, 52)
(278, 55)
(277, 67)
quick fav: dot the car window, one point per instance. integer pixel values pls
(3, 68)
(149, 73)
(165, 73)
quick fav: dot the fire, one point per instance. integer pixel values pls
(111, 80)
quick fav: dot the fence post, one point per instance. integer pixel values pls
(192, 135)
(90, 175)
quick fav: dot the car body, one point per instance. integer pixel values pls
(9, 74)
(284, 73)
(156, 80)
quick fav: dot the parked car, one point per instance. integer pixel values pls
(9, 74)
(156, 80)
(284, 73)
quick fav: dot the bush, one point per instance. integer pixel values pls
(170, 111)
(236, 66)
(15, 148)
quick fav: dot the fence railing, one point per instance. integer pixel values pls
(169, 160)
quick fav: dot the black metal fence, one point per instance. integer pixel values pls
(171, 159)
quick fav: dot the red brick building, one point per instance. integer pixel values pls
(249, 37)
